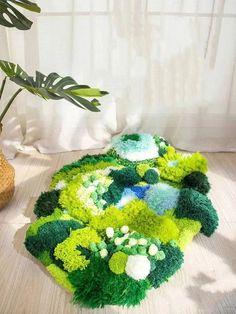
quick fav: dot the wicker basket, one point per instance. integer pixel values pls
(7, 175)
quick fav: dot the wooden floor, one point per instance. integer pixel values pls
(206, 283)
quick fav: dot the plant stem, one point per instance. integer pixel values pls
(9, 104)
(2, 86)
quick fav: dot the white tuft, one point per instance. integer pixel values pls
(138, 267)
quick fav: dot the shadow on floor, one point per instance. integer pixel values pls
(214, 302)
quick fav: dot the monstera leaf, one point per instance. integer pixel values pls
(53, 86)
(11, 17)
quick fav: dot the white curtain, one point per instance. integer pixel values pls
(169, 66)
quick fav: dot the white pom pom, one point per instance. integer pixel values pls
(124, 229)
(132, 241)
(109, 232)
(142, 241)
(103, 253)
(118, 241)
(138, 267)
(153, 249)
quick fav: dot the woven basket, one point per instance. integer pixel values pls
(7, 175)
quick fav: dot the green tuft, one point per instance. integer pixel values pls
(114, 193)
(97, 286)
(151, 176)
(197, 181)
(46, 203)
(131, 137)
(61, 277)
(197, 206)
(166, 267)
(49, 235)
(126, 177)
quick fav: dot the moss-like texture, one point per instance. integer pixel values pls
(197, 206)
(197, 181)
(97, 286)
(117, 262)
(174, 166)
(49, 235)
(162, 270)
(115, 225)
(46, 203)
(67, 250)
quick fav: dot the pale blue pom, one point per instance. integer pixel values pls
(162, 197)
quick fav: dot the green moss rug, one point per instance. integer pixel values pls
(113, 226)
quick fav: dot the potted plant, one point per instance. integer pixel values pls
(51, 86)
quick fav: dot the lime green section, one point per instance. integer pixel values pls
(118, 262)
(144, 220)
(188, 229)
(112, 217)
(139, 217)
(142, 168)
(61, 277)
(184, 165)
(67, 251)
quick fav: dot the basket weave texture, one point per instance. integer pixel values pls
(7, 175)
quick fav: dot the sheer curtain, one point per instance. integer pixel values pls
(169, 67)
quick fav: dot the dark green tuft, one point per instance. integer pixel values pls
(197, 181)
(131, 137)
(151, 176)
(197, 206)
(49, 235)
(46, 203)
(127, 176)
(114, 193)
(97, 286)
(165, 268)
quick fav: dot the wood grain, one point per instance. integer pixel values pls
(205, 284)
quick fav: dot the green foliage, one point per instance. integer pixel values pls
(97, 286)
(49, 235)
(197, 206)
(165, 268)
(197, 181)
(53, 86)
(46, 203)
(11, 17)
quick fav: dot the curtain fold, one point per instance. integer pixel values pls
(169, 67)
